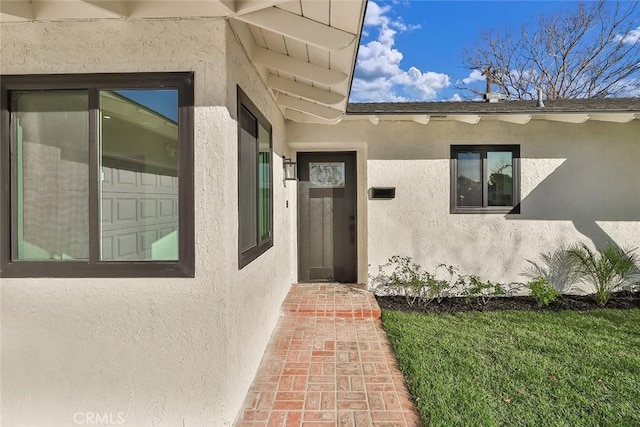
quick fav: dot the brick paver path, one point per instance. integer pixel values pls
(328, 364)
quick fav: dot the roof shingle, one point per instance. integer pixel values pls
(620, 105)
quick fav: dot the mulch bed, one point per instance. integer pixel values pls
(619, 300)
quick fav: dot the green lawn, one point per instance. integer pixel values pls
(521, 368)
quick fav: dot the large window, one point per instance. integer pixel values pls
(485, 178)
(255, 195)
(97, 175)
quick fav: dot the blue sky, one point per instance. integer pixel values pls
(163, 101)
(413, 50)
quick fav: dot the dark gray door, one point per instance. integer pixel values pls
(327, 248)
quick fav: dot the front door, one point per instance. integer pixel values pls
(327, 241)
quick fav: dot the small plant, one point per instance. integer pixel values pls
(408, 279)
(556, 268)
(482, 292)
(610, 269)
(542, 291)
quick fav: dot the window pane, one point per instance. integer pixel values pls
(51, 136)
(247, 180)
(469, 179)
(500, 178)
(139, 186)
(264, 196)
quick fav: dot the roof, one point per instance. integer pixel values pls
(304, 50)
(604, 105)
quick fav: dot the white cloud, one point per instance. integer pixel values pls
(377, 60)
(455, 98)
(376, 15)
(475, 76)
(376, 90)
(379, 76)
(421, 86)
(631, 37)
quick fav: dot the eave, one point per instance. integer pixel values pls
(304, 50)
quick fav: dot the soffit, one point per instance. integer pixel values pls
(615, 110)
(304, 50)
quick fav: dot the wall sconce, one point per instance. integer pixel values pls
(290, 169)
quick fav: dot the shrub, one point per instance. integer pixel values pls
(611, 269)
(556, 268)
(542, 291)
(418, 286)
(482, 292)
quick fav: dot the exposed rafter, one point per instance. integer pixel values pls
(300, 117)
(308, 107)
(472, 119)
(612, 117)
(247, 6)
(519, 119)
(172, 8)
(423, 119)
(567, 117)
(297, 67)
(299, 28)
(418, 118)
(304, 91)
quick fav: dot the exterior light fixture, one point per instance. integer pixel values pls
(290, 169)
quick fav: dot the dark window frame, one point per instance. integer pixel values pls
(485, 209)
(94, 267)
(247, 256)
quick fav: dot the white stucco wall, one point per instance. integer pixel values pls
(259, 288)
(578, 183)
(163, 352)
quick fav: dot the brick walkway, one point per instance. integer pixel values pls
(328, 364)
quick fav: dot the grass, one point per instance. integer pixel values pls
(521, 369)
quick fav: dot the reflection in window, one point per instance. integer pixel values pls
(100, 169)
(264, 195)
(485, 178)
(255, 204)
(500, 179)
(139, 188)
(51, 131)
(469, 179)
(247, 176)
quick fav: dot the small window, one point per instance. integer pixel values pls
(485, 178)
(255, 195)
(101, 175)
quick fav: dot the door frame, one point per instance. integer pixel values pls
(360, 149)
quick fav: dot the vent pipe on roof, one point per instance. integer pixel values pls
(540, 103)
(490, 96)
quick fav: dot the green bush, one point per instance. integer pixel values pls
(479, 291)
(402, 276)
(542, 291)
(605, 271)
(557, 268)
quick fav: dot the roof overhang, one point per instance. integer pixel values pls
(304, 50)
(514, 118)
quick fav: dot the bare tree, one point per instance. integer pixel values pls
(592, 51)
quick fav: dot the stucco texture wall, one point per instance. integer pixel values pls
(162, 352)
(260, 287)
(578, 183)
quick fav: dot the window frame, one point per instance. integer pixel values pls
(247, 256)
(485, 209)
(94, 267)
